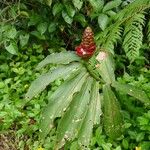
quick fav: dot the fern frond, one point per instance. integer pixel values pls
(132, 9)
(133, 36)
(109, 37)
(148, 33)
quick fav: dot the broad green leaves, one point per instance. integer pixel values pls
(12, 48)
(97, 4)
(133, 91)
(68, 13)
(42, 27)
(80, 115)
(112, 4)
(40, 83)
(58, 58)
(57, 8)
(70, 123)
(24, 38)
(78, 3)
(92, 116)
(105, 66)
(77, 101)
(112, 115)
(66, 17)
(103, 20)
(60, 100)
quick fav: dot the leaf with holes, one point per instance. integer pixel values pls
(92, 116)
(70, 123)
(112, 115)
(60, 100)
(133, 91)
(41, 82)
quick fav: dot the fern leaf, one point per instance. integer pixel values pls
(109, 37)
(148, 33)
(133, 36)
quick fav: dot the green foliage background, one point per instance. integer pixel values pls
(30, 30)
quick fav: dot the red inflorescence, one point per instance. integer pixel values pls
(87, 47)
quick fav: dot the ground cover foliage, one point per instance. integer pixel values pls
(31, 30)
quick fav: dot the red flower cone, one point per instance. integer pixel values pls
(87, 47)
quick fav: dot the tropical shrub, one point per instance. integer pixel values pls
(90, 83)
(119, 66)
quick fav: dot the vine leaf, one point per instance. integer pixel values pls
(112, 115)
(59, 58)
(132, 91)
(41, 82)
(60, 100)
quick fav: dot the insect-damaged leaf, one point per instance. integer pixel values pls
(60, 100)
(133, 91)
(70, 123)
(41, 82)
(112, 115)
(92, 116)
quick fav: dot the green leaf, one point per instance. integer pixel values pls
(48, 2)
(52, 27)
(81, 19)
(58, 58)
(57, 8)
(92, 116)
(41, 82)
(66, 17)
(78, 3)
(70, 10)
(97, 5)
(24, 39)
(12, 48)
(133, 91)
(112, 115)
(112, 4)
(125, 144)
(11, 32)
(60, 100)
(70, 123)
(42, 27)
(105, 66)
(103, 21)
(34, 19)
(111, 13)
(38, 35)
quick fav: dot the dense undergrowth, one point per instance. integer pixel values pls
(29, 31)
